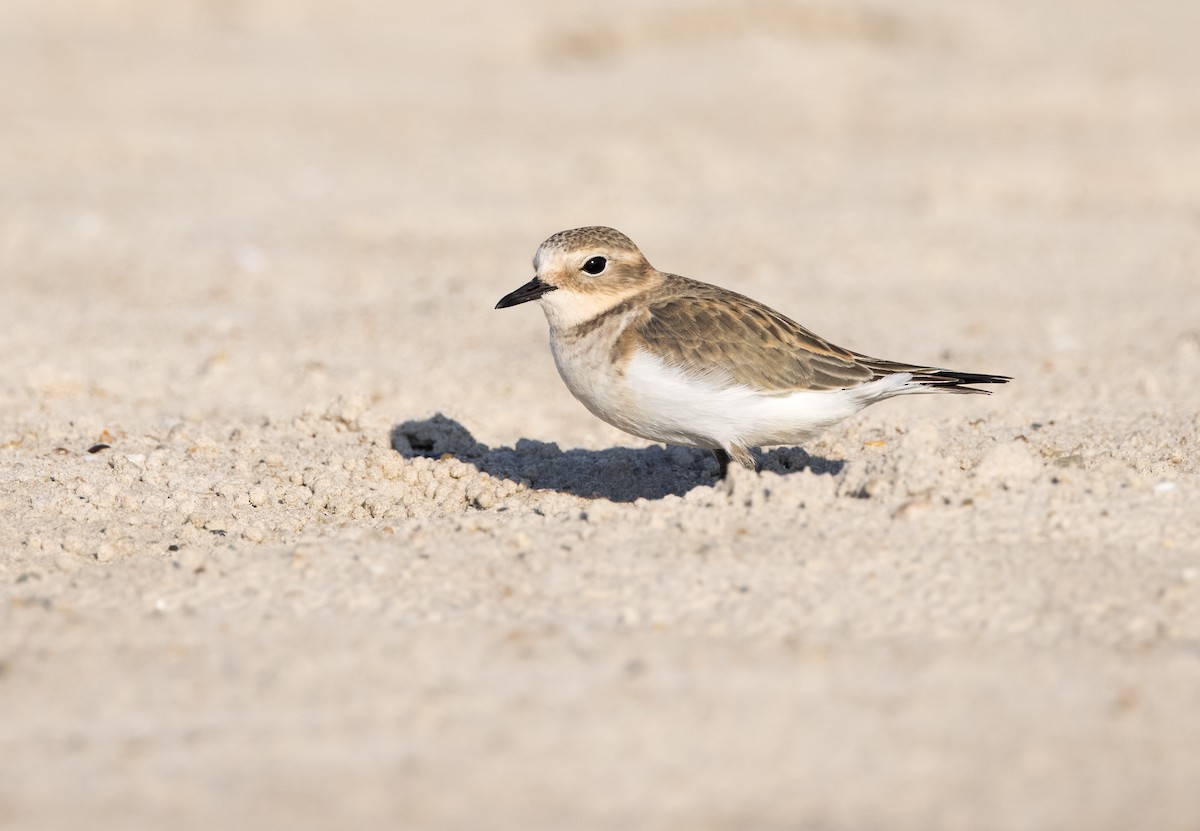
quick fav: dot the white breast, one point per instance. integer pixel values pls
(586, 366)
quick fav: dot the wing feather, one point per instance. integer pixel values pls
(750, 343)
(718, 333)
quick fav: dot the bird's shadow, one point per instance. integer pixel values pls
(619, 474)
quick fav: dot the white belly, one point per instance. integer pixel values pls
(663, 403)
(669, 405)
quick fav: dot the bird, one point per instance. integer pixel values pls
(674, 360)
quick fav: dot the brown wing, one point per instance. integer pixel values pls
(754, 344)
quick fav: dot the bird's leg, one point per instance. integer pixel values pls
(733, 453)
(722, 463)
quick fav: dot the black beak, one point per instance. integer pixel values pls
(532, 290)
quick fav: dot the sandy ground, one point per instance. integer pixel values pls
(353, 557)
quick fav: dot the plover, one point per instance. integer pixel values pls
(678, 361)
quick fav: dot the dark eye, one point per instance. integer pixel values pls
(595, 265)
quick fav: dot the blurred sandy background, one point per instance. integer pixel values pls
(353, 557)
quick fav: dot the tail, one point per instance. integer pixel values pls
(932, 379)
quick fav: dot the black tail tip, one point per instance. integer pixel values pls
(963, 381)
